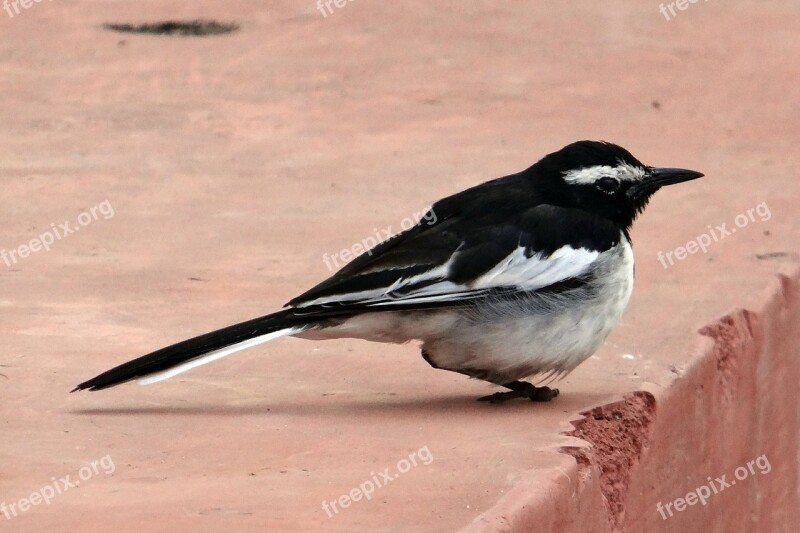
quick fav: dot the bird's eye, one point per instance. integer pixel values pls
(607, 185)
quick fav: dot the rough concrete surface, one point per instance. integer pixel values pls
(233, 162)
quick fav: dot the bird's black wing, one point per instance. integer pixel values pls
(493, 236)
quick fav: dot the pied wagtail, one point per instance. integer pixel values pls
(520, 276)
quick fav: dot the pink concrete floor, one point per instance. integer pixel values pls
(233, 163)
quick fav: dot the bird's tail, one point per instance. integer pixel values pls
(185, 355)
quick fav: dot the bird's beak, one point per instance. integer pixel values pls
(659, 177)
(669, 176)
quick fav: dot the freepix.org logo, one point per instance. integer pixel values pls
(56, 487)
(56, 233)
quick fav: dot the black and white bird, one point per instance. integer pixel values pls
(521, 276)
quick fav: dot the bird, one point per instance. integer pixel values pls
(523, 276)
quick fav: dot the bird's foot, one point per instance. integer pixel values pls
(521, 389)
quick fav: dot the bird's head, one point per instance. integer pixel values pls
(605, 179)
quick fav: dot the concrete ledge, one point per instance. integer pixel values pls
(733, 403)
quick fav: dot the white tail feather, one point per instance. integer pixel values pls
(213, 356)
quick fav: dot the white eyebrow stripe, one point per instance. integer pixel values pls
(588, 175)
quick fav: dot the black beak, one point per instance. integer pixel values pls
(659, 177)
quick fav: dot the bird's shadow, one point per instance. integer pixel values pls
(449, 405)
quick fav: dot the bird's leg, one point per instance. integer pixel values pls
(521, 389)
